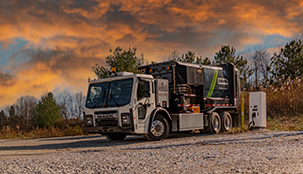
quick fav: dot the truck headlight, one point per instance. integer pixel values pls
(125, 119)
(88, 120)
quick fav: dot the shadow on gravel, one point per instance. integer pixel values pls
(186, 135)
(215, 142)
(70, 138)
(80, 142)
(249, 138)
(85, 142)
(97, 141)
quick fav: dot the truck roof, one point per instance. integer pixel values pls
(169, 63)
(198, 66)
(120, 78)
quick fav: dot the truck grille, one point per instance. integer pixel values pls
(106, 118)
(107, 122)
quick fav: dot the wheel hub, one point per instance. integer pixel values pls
(227, 124)
(216, 124)
(157, 128)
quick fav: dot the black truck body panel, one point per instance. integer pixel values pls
(192, 84)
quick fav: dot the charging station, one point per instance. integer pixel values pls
(257, 109)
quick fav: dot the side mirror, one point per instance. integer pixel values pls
(146, 89)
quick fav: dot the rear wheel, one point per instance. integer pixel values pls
(116, 136)
(159, 129)
(214, 124)
(227, 122)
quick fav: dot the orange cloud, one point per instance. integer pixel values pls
(64, 71)
(65, 38)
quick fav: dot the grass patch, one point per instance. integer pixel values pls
(7, 133)
(285, 123)
(279, 123)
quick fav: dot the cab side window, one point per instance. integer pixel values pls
(140, 90)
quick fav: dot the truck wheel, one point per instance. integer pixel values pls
(159, 129)
(214, 124)
(115, 136)
(227, 122)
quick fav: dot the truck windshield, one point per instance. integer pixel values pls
(109, 94)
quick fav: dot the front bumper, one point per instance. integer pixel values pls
(108, 129)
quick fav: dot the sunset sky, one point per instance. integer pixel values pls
(52, 44)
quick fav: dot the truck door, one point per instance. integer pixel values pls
(145, 104)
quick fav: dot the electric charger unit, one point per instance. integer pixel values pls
(257, 109)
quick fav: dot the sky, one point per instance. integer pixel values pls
(51, 45)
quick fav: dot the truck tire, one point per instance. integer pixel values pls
(159, 129)
(214, 124)
(115, 136)
(227, 121)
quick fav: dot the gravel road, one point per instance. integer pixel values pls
(250, 152)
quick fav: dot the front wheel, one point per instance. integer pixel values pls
(159, 129)
(116, 136)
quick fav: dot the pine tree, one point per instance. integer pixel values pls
(289, 62)
(13, 118)
(47, 112)
(189, 57)
(122, 60)
(3, 120)
(228, 55)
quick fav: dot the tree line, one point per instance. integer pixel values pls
(257, 68)
(29, 112)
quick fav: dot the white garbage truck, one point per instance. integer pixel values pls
(169, 97)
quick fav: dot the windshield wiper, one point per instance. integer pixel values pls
(99, 101)
(111, 96)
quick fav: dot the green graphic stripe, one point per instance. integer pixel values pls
(213, 84)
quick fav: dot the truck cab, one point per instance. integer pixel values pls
(120, 105)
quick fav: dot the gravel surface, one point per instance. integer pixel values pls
(250, 152)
